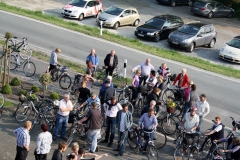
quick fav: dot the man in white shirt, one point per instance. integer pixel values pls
(202, 109)
(151, 80)
(111, 108)
(191, 120)
(65, 106)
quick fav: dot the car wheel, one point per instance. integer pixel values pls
(157, 38)
(136, 23)
(190, 48)
(173, 4)
(190, 3)
(230, 15)
(212, 43)
(116, 25)
(81, 16)
(210, 15)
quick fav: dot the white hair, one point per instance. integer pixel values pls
(109, 77)
(184, 70)
(66, 95)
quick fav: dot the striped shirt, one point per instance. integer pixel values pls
(23, 137)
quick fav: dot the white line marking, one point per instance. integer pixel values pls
(144, 53)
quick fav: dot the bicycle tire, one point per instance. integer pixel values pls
(152, 152)
(54, 75)
(13, 62)
(71, 138)
(27, 67)
(50, 114)
(163, 140)
(100, 76)
(169, 123)
(65, 79)
(120, 96)
(168, 93)
(2, 101)
(18, 106)
(24, 112)
(133, 140)
(178, 110)
(181, 153)
(195, 153)
(139, 106)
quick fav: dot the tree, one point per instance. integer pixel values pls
(45, 79)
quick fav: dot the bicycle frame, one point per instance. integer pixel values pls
(20, 45)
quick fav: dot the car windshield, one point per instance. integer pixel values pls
(189, 29)
(201, 4)
(114, 11)
(235, 42)
(155, 22)
(78, 3)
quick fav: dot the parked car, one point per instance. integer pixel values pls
(119, 15)
(82, 8)
(173, 3)
(159, 27)
(192, 35)
(231, 51)
(212, 9)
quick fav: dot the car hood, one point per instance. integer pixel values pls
(232, 51)
(180, 36)
(147, 28)
(105, 15)
(70, 7)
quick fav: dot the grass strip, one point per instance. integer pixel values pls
(133, 43)
(9, 104)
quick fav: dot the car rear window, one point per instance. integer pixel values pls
(201, 4)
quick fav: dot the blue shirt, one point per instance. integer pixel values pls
(96, 100)
(23, 137)
(53, 58)
(93, 59)
(148, 122)
(103, 88)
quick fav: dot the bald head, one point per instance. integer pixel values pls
(93, 51)
(148, 61)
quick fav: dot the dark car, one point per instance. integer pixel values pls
(173, 3)
(212, 9)
(159, 27)
(192, 35)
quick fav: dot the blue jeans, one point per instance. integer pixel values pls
(122, 138)
(111, 126)
(200, 122)
(61, 122)
(185, 110)
(93, 135)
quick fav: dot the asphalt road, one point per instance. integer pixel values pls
(222, 92)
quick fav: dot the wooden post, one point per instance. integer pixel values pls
(9, 62)
(4, 63)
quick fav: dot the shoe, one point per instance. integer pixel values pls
(97, 149)
(54, 139)
(117, 155)
(110, 144)
(191, 155)
(116, 150)
(154, 138)
(104, 141)
(64, 138)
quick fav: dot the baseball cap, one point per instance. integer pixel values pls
(93, 94)
(194, 108)
(203, 95)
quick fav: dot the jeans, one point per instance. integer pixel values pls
(200, 122)
(147, 137)
(61, 122)
(122, 138)
(93, 136)
(22, 153)
(185, 110)
(111, 125)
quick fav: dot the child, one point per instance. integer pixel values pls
(57, 154)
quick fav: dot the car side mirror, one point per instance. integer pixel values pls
(165, 27)
(121, 15)
(199, 35)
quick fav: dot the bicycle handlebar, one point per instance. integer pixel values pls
(147, 131)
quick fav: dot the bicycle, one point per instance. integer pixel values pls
(17, 47)
(74, 96)
(29, 67)
(2, 102)
(213, 153)
(126, 101)
(64, 79)
(134, 142)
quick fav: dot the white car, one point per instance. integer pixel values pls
(231, 51)
(82, 8)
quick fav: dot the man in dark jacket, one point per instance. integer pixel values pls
(124, 121)
(108, 92)
(110, 62)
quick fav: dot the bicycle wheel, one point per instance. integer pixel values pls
(50, 114)
(167, 94)
(29, 69)
(65, 81)
(169, 125)
(139, 106)
(13, 62)
(2, 100)
(181, 153)
(205, 149)
(72, 137)
(152, 152)
(127, 96)
(195, 154)
(161, 140)
(23, 113)
(34, 123)
(99, 76)
(178, 110)
(130, 107)
(132, 140)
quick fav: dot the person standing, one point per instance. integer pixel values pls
(65, 106)
(164, 71)
(202, 109)
(111, 108)
(43, 144)
(53, 59)
(124, 121)
(146, 68)
(135, 84)
(84, 92)
(151, 80)
(57, 154)
(182, 79)
(108, 93)
(110, 62)
(93, 58)
(23, 141)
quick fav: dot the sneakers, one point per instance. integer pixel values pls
(97, 149)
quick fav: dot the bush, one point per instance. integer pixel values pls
(15, 82)
(54, 96)
(6, 89)
(32, 97)
(35, 89)
(23, 92)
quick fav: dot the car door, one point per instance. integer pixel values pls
(219, 11)
(166, 29)
(125, 17)
(90, 9)
(200, 38)
(208, 34)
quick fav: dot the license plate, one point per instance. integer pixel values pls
(196, 8)
(174, 42)
(141, 35)
(66, 13)
(228, 57)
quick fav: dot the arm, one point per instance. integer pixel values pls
(135, 68)
(182, 124)
(65, 109)
(105, 107)
(207, 110)
(26, 142)
(209, 133)
(140, 121)
(131, 120)
(176, 79)
(155, 124)
(55, 58)
(38, 143)
(97, 61)
(83, 104)
(133, 82)
(105, 61)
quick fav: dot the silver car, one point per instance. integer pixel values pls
(192, 35)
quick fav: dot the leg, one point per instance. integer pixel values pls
(144, 79)
(119, 139)
(108, 123)
(186, 108)
(18, 153)
(22, 154)
(111, 71)
(200, 122)
(140, 80)
(113, 127)
(58, 124)
(123, 142)
(146, 138)
(95, 134)
(107, 71)
(64, 126)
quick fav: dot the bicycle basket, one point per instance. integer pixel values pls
(64, 69)
(188, 139)
(142, 89)
(173, 77)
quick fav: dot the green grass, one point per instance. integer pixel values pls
(9, 104)
(133, 43)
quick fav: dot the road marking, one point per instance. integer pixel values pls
(144, 53)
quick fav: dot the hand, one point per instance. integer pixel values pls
(106, 67)
(94, 66)
(132, 70)
(138, 127)
(80, 123)
(182, 128)
(192, 130)
(215, 141)
(106, 154)
(222, 150)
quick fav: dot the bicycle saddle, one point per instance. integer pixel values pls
(15, 37)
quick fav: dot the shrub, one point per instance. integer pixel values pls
(35, 88)
(6, 89)
(15, 82)
(54, 96)
(32, 97)
(23, 92)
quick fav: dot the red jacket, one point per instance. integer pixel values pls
(185, 80)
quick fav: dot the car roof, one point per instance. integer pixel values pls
(166, 17)
(198, 24)
(124, 7)
(89, 0)
(207, 1)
